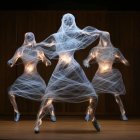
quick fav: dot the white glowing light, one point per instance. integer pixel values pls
(29, 68)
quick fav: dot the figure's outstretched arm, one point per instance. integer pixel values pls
(16, 56)
(90, 57)
(120, 56)
(48, 46)
(87, 36)
(42, 57)
(89, 30)
(48, 42)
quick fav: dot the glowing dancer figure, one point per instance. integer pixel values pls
(107, 79)
(68, 82)
(29, 85)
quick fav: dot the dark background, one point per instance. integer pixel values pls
(43, 18)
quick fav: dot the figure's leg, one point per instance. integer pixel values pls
(120, 104)
(14, 104)
(52, 113)
(93, 105)
(89, 110)
(42, 112)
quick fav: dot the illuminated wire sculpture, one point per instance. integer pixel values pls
(107, 79)
(29, 85)
(68, 82)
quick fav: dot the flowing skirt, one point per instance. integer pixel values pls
(69, 83)
(29, 86)
(110, 82)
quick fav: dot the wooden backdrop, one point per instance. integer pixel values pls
(124, 28)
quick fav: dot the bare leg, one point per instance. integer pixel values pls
(42, 112)
(89, 110)
(120, 104)
(14, 104)
(92, 108)
(52, 113)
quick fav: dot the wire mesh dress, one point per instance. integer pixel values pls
(68, 82)
(30, 84)
(107, 79)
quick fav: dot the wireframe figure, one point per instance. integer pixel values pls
(29, 85)
(68, 82)
(107, 79)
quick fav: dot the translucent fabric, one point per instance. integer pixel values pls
(29, 85)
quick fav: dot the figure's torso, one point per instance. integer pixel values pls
(30, 59)
(105, 58)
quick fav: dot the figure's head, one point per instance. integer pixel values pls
(105, 39)
(29, 38)
(68, 19)
(68, 24)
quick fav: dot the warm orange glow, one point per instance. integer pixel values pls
(105, 68)
(49, 102)
(41, 55)
(66, 58)
(90, 111)
(29, 68)
(117, 56)
(90, 100)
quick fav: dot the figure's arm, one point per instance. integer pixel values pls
(90, 57)
(42, 57)
(120, 56)
(48, 46)
(16, 56)
(48, 42)
(89, 30)
(87, 36)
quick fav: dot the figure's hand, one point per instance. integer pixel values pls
(10, 63)
(48, 63)
(126, 62)
(86, 63)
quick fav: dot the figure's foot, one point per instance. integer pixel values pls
(87, 117)
(36, 129)
(53, 118)
(16, 116)
(124, 118)
(96, 125)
